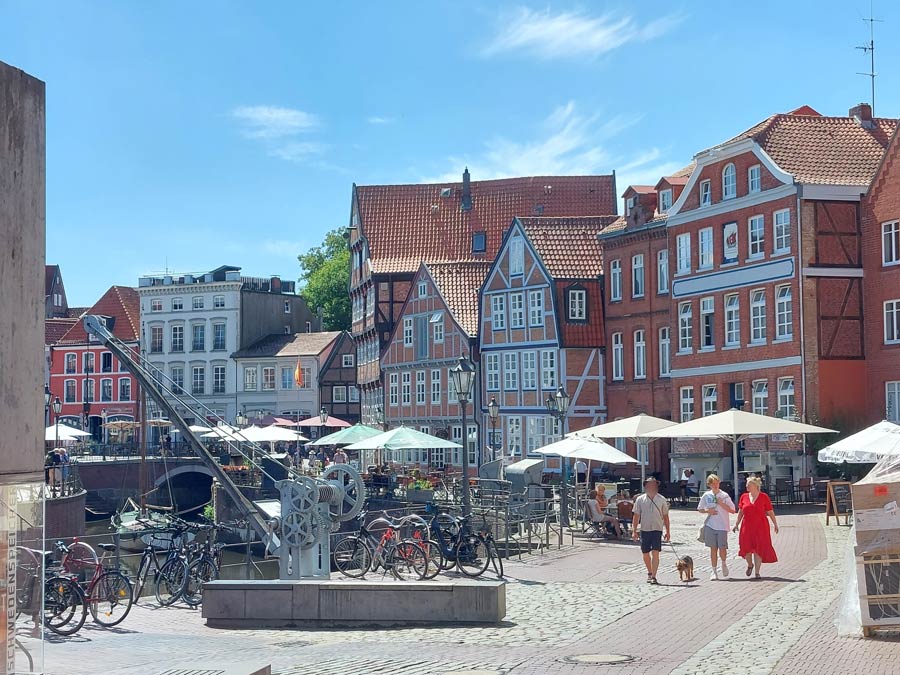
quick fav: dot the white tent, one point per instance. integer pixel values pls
(869, 445)
(64, 432)
(270, 434)
(635, 428)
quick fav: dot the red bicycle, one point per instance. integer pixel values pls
(107, 592)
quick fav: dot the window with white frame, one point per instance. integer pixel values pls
(685, 327)
(156, 305)
(890, 243)
(423, 289)
(69, 388)
(756, 230)
(710, 398)
(510, 371)
(197, 302)
(420, 387)
(529, 370)
(536, 434)
(407, 331)
(729, 182)
(784, 316)
(706, 248)
(732, 320)
(353, 393)
(757, 316)
(347, 360)
(89, 360)
(437, 328)
(306, 378)
(156, 339)
(615, 280)
(892, 401)
(517, 310)
(618, 357)
(637, 276)
(71, 363)
(514, 435)
(548, 369)
(516, 257)
(705, 193)
(577, 304)
(176, 373)
(198, 337)
(287, 377)
(640, 355)
(892, 322)
(124, 388)
(786, 401)
(536, 308)
(665, 341)
(662, 271)
(406, 388)
(250, 378)
(687, 404)
(268, 378)
(198, 380)
(287, 306)
(177, 304)
(498, 312)
(782, 231)
(707, 323)
(760, 397)
(436, 386)
(665, 200)
(219, 336)
(683, 253)
(177, 344)
(754, 179)
(218, 380)
(339, 393)
(492, 366)
(629, 204)
(393, 390)
(219, 303)
(106, 390)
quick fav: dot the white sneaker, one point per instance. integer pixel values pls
(714, 576)
(724, 569)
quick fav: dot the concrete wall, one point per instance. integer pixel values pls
(22, 222)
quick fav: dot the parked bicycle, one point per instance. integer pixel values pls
(107, 591)
(205, 561)
(372, 549)
(150, 560)
(64, 610)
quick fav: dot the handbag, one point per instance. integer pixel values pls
(700, 536)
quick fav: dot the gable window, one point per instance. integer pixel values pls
(756, 236)
(393, 398)
(406, 388)
(640, 355)
(250, 378)
(710, 398)
(435, 387)
(510, 371)
(197, 302)
(548, 369)
(516, 257)
(536, 308)
(347, 361)
(618, 357)
(437, 328)
(705, 193)
(729, 182)
(754, 181)
(577, 304)
(757, 316)
(423, 289)
(665, 200)
(420, 387)
(683, 253)
(407, 331)
(782, 231)
(892, 322)
(732, 320)
(156, 305)
(492, 366)
(890, 243)
(786, 400)
(71, 363)
(707, 321)
(685, 327)
(529, 370)
(687, 404)
(784, 324)
(664, 347)
(498, 312)
(760, 396)
(662, 271)
(637, 276)
(479, 242)
(177, 304)
(516, 310)
(615, 280)
(219, 303)
(706, 248)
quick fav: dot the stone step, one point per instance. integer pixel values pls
(230, 669)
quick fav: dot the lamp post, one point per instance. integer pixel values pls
(240, 419)
(379, 417)
(323, 416)
(558, 406)
(104, 436)
(48, 398)
(493, 415)
(463, 374)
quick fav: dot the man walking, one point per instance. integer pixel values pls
(651, 514)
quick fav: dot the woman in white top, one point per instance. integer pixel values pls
(716, 504)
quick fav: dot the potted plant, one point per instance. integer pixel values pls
(420, 491)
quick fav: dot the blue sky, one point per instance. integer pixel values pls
(196, 134)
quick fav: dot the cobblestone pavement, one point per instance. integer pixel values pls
(587, 599)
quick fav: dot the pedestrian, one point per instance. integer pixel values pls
(340, 457)
(167, 445)
(716, 504)
(580, 471)
(651, 513)
(755, 539)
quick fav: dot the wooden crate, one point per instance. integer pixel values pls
(876, 513)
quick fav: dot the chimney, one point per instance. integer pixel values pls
(862, 113)
(466, 202)
(275, 284)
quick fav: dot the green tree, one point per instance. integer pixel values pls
(325, 280)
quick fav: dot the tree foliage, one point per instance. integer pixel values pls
(325, 280)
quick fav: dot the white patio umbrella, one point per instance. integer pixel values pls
(66, 433)
(734, 426)
(635, 428)
(270, 434)
(199, 428)
(872, 444)
(403, 438)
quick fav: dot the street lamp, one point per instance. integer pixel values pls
(493, 414)
(240, 419)
(323, 416)
(105, 435)
(57, 408)
(379, 417)
(558, 406)
(463, 374)
(48, 398)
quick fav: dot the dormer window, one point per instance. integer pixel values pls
(754, 179)
(629, 204)
(729, 182)
(665, 200)
(705, 195)
(479, 242)
(577, 298)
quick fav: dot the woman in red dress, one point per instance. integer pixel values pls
(755, 540)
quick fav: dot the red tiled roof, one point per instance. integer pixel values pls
(459, 283)
(822, 150)
(76, 312)
(620, 224)
(55, 329)
(120, 302)
(293, 344)
(568, 246)
(407, 224)
(640, 189)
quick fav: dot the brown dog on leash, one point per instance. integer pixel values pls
(685, 567)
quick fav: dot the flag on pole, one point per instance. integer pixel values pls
(298, 375)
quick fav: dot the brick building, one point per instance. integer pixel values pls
(338, 392)
(541, 326)
(881, 284)
(437, 324)
(394, 228)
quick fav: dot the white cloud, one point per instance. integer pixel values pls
(571, 34)
(297, 151)
(269, 121)
(377, 119)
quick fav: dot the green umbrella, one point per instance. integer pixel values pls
(354, 434)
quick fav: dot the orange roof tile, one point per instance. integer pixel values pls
(459, 283)
(640, 189)
(120, 302)
(55, 329)
(407, 224)
(292, 344)
(568, 246)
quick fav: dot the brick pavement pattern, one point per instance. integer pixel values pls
(587, 599)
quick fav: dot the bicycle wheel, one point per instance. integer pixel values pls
(141, 578)
(352, 557)
(170, 582)
(496, 560)
(64, 608)
(435, 558)
(110, 598)
(199, 572)
(407, 561)
(472, 557)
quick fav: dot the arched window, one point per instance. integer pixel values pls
(729, 182)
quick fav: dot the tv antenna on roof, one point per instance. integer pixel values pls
(870, 49)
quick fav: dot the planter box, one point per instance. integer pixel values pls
(420, 496)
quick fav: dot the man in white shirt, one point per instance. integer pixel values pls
(692, 487)
(651, 513)
(717, 506)
(581, 471)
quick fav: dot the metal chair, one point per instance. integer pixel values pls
(805, 487)
(783, 486)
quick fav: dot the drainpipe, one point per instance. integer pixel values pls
(802, 322)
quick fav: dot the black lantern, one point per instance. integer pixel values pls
(323, 416)
(463, 374)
